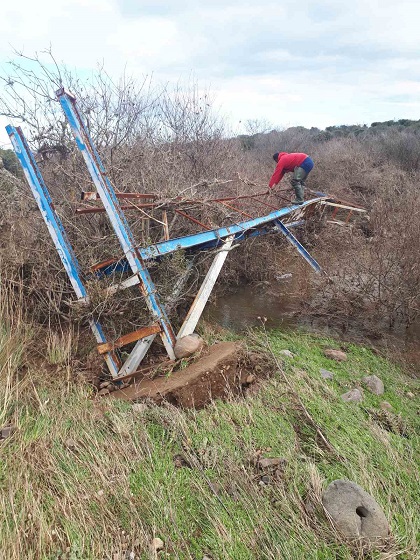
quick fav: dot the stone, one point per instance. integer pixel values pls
(250, 379)
(325, 374)
(287, 353)
(157, 544)
(337, 355)
(355, 395)
(180, 461)
(354, 512)
(71, 444)
(103, 392)
(266, 479)
(104, 384)
(188, 345)
(271, 462)
(139, 408)
(374, 384)
(7, 431)
(386, 406)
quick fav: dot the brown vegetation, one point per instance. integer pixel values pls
(171, 142)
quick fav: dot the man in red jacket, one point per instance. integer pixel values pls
(299, 164)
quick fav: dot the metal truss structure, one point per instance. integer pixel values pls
(134, 259)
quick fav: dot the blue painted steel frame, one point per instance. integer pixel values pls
(55, 227)
(213, 238)
(292, 239)
(135, 257)
(116, 215)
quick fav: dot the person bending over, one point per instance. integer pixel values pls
(298, 164)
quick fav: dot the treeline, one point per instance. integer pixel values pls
(315, 135)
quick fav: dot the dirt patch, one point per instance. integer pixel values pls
(216, 375)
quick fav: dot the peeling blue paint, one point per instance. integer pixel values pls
(55, 227)
(115, 214)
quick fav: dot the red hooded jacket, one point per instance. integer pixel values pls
(285, 164)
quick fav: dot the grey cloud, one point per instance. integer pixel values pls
(228, 39)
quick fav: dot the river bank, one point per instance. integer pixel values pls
(86, 478)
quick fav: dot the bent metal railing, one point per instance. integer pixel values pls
(134, 258)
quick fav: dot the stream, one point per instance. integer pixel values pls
(242, 309)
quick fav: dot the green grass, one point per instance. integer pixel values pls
(87, 480)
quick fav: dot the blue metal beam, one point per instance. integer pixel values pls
(292, 239)
(213, 238)
(116, 216)
(55, 227)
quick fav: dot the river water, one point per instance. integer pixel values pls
(245, 307)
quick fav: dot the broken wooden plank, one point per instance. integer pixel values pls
(194, 314)
(336, 205)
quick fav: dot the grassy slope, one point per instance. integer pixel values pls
(86, 481)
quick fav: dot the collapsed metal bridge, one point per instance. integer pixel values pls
(134, 259)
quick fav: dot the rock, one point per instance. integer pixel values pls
(7, 431)
(250, 379)
(271, 463)
(139, 408)
(386, 406)
(337, 355)
(130, 555)
(104, 384)
(103, 392)
(355, 395)
(188, 345)
(157, 544)
(265, 479)
(71, 444)
(325, 374)
(374, 384)
(354, 512)
(180, 461)
(287, 353)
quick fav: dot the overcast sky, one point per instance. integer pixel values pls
(311, 63)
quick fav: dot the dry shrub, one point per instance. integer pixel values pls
(171, 142)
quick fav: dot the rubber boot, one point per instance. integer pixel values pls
(299, 192)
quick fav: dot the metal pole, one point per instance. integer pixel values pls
(292, 239)
(55, 227)
(116, 216)
(142, 347)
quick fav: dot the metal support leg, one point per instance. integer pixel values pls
(292, 239)
(56, 229)
(116, 216)
(142, 347)
(206, 288)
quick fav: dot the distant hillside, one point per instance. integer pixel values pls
(314, 134)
